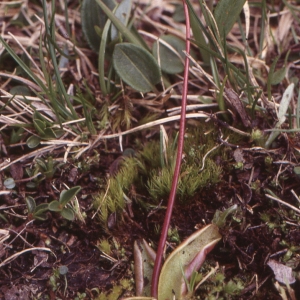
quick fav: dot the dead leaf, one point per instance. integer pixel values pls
(238, 155)
(282, 273)
(16, 171)
(236, 104)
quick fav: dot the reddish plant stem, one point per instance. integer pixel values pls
(164, 232)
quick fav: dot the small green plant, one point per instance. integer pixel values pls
(153, 166)
(55, 278)
(60, 206)
(38, 212)
(80, 296)
(47, 167)
(179, 275)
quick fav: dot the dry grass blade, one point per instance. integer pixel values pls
(283, 203)
(148, 125)
(13, 257)
(35, 153)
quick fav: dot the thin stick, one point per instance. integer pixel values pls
(164, 233)
(284, 203)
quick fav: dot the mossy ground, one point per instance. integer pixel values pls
(124, 199)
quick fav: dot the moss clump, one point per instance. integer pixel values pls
(113, 200)
(151, 173)
(119, 288)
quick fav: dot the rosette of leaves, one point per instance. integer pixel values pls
(37, 212)
(93, 21)
(60, 205)
(44, 131)
(131, 61)
(47, 167)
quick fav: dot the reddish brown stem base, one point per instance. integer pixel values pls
(164, 233)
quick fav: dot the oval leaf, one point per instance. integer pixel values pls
(30, 204)
(122, 13)
(226, 14)
(49, 134)
(40, 212)
(31, 185)
(170, 53)
(187, 258)
(92, 16)
(278, 76)
(20, 90)
(144, 258)
(42, 208)
(136, 66)
(33, 141)
(68, 214)
(55, 206)
(68, 195)
(9, 183)
(63, 270)
(39, 126)
(41, 216)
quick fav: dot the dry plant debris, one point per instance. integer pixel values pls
(60, 130)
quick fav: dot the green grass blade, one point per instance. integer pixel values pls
(119, 25)
(270, 76)
(50, 31)
(101, 57)
(24, 67)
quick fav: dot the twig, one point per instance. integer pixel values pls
(284, 203)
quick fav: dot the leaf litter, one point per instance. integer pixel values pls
(256, 182)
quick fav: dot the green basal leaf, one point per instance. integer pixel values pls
(144, 257)
(16, 135)
(31, 205)
(33, 141)
(49, 134)
(170, 53)
(187, 257)
(297, 171)
(278, 76)
(49, 173)
(39, 126)
(31, 185)
(41, 163)
(41, 208)
(136, 66)
(68, 214)
(55, 206)
(9, 183)
(68, 195)
(20, 90)
(119, 25)
(91, 16)
(58, 133)
(285, 101)
(283, 107)
(41, 217)
(40, 212)
(226, 14)
(220, 216)
(122, 13)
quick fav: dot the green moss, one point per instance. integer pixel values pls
(104, 246)
(151, 172)
(113, 200)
